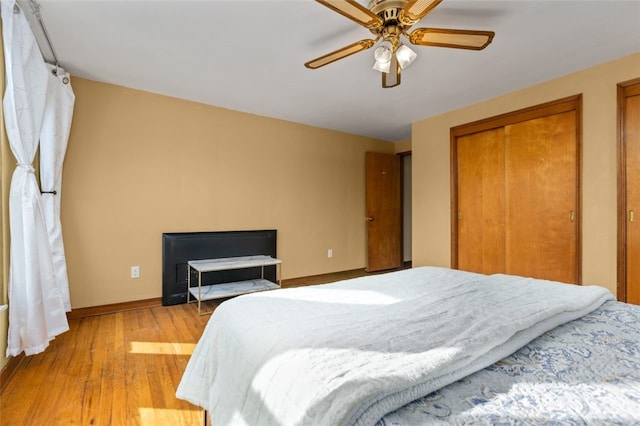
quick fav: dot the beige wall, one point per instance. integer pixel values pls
(140, 164)
(431, 174)
(402, 146)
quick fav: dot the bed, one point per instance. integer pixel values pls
(421, 346)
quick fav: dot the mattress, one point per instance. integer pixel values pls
(585, 372)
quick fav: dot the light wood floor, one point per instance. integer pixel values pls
(115, 369)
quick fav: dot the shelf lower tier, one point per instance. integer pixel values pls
(219, 291)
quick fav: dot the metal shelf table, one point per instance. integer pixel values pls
(218, 291)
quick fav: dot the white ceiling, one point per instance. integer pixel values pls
(249, 55)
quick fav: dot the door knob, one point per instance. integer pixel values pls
(370, 218)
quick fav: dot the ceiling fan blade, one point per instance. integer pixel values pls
(459, 39)
(392, 78)
(415, 10)
(354, 11)
(340, 53)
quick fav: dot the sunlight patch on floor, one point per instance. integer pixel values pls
(162, 348)
(169, 416)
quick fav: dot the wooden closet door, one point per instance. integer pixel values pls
(480, 162)
(541, 197)
(632, 148)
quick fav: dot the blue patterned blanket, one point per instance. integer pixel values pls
(585, 372)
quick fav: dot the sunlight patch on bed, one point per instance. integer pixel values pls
(534, 401)
(162, 348)
(345, 371)
(339, 296)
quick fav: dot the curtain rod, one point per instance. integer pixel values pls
(35, 9)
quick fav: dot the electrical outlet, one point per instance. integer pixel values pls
(330, 253)
(135, 272)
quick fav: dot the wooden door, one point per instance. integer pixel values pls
(541, 198)
(631, 209)
(480, 164)
(516, 193)
(384, 211)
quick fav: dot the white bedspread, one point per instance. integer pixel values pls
(350, 352)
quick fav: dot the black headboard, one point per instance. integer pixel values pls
(179, 248)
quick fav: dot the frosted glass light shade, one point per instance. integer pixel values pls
(383, 53)
(382, 66)
(405, 56)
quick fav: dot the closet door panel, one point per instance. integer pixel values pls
(541, 197)
(632, 145)
(481, 202)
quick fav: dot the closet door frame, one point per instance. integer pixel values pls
(625, 89)
(571, 103)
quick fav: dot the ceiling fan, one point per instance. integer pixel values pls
(389, 20)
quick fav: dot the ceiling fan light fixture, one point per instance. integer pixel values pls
(382, 66)
(405, 56)
(382, 55)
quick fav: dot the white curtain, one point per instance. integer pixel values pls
(36, 306)
(53, 146)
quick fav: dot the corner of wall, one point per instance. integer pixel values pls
(5, 177)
